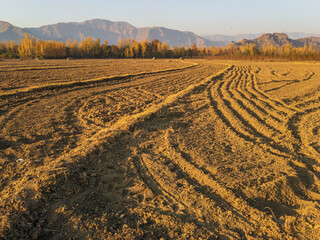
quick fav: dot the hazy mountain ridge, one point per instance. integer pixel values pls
(9, 32)
(278, 40)
(113, 31)
(105, 30)
(224, 40)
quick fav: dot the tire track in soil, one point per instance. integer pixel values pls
(243, 123)
(204, 177)
(73, 84)
(301, 149)
(113, 88)
(248, 131)
(231, 88)
(261, 98)
(241, 88)
(198, 177)
(144, 162)
(195, 193)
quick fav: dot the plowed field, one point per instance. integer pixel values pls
(151, 149)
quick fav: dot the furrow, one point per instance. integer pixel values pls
(316, 130)
(242, 211)
(73, 84)
(181, 192)
(264, 101)
(308, 76)
(301, 152)
(250, 111)
(242, 90)
(277, 103)
(306, 104)
(223, 110)
(248, 118)
(233, 119)
(282, 86)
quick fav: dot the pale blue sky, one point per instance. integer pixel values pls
(199, 16)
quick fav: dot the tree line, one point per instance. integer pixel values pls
(128, 48)
(252, 51)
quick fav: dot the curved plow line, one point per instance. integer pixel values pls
(256, 71)
(159, 187)
(146, 92)
(241, 89)
(161, 86)
(316, 130)
(123, 125)
(274, 73)
(293, 124)
(141, 86)
(240, 72)
(265, 118)
(246, 127)
(58, 168)
(40, 68)
(282, 86)
(239, 132)
(295, 118)
(230, 73)
(137, 94)
(287, 73)
(204, 178)
(185, 197)
(200, 180)
(277, 81)
(312, 100)
(249, 107)
(259, 103)
(261, 98)
(234, 74)
(246, 73)
(268, 143)
(308, 76)
(89, 81)
(304, 157)
(243, 113)
(308, 97)
(224, 111)
(282, 74)
(276, 102)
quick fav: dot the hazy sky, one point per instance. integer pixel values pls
(199, 16)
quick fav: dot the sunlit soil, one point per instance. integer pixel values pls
(177, 150)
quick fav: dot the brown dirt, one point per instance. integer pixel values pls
(186, 154)
(16, 74)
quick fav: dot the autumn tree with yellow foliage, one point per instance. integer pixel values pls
(27, 48)
(129, 48)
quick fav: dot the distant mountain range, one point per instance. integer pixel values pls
(103, 29)
(223, 40)
(113, 31)
(9, 32)
(278, 40)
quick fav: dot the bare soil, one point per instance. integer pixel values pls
(16, 74)
(218, 150)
